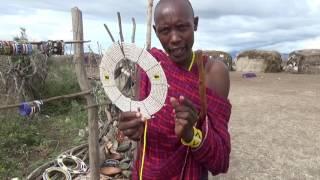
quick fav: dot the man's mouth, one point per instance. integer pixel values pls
(177, 52)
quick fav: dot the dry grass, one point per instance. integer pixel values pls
(306, 52)
(260, 54)
(275, 127)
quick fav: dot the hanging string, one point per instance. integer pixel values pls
(144, 148)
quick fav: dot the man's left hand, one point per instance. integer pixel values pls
(185, 115)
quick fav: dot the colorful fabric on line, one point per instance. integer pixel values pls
(6, 48)
(165, 155)
(10, 48)
(22, 49)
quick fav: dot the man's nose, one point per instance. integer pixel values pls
(175, 37)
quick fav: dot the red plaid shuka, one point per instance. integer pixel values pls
(165, 156)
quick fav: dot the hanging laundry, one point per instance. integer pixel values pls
(31, 108)
(43, 47)
(10, 48)
(55, 47)
(22, 49)
(6, 48)
(29, 49)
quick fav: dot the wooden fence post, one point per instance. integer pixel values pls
(149, 24)
(77, 27)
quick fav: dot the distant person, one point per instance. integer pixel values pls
(177, 147)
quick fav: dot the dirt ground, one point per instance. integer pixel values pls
(275, 127)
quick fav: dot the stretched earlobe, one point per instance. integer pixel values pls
(196, 21)
(154, 28)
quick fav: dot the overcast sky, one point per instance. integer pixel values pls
(228, 25)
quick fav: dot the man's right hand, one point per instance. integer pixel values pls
(131, 124)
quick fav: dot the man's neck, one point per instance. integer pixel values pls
(189, 62)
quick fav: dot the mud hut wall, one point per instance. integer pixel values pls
(245, 64)
(306, 64)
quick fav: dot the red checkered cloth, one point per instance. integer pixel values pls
(165, 156)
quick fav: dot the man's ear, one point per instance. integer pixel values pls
(195, 22)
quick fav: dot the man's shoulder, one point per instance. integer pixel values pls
(217, 75)
(155, 50)
(216, 65)
(159, 54)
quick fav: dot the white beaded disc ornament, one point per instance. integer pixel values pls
(159, 87)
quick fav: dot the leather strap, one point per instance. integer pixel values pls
(201, 59)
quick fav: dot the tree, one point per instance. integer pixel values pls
(22, 38)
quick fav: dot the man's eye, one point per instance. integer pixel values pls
(164, 31)
(183, 27)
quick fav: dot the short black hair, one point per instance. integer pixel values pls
(188, 2)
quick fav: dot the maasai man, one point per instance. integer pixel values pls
(176, 147)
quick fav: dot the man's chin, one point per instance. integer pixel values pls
(176, 60)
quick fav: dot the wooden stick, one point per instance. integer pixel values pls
(50, 99)
(202, 87)
(120, 27)
(112, 39)
(99, 49)
(149, 22)
(133, 30)
(96, 105)
(148, 44)
(80, 152)
(38, 172)
(75, 149)
(84, 83)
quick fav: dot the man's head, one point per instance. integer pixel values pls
(174, 26)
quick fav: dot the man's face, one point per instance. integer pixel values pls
(175, 26)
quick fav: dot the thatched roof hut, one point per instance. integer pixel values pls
(258, 61)
(220, 55)
(305, 61)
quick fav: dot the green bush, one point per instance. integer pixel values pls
(61, 80)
